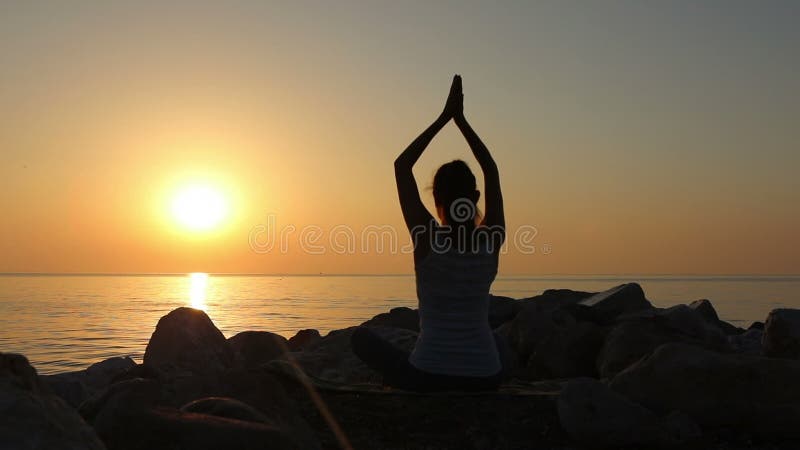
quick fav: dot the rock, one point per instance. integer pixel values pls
(567, 353)
(304, 339)
(118, 403)
(595, 415)
(186, 339)
(715, 389)
(557, 298)
(225, 407)
(535, 322)
(707, 311)
(402, 317)
(606, 306)
(782, 334)
(332, 359)
(756, 326)
(35, 418)
(258, 347)
(748, 342)
(76, 387)
(502, 310)
(638, 334)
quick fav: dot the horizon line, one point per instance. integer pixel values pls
(395, 274)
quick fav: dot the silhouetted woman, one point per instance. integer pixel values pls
(455, 264)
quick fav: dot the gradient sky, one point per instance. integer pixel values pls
(637, 137)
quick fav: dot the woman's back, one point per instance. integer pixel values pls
(455, 336)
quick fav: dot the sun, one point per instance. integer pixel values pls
(199, 207)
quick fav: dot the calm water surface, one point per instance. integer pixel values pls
(65, 323)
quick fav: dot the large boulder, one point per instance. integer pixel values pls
(187, 340)
(402, 317)
(596, 416)
(717, 390)
(304, 339)
(638, 334)
(604, 307)
(258, 347)
(332, 359)
(782, 334)
(35, 418)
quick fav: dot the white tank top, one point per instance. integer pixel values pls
(455, 337)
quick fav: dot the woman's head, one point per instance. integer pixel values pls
(454, 194)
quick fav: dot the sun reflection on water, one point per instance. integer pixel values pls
(198, 284)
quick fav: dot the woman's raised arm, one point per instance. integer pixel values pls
(414, 211)
(495, 216)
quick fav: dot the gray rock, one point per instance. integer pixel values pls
(35, 418)
(638, 334)
(715, 389)
(606, 306)
(187, 340)
(258, 347)
(782, 334)
(595, 415)
(304, 339)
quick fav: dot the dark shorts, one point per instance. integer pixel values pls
(398, 372)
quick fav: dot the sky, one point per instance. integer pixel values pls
(631, 137)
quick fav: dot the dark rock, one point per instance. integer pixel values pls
(595, 415)
(557, 298)
(567, 352)
(748, 342)
(257, 347)
(187, 340)
(402, 317)
(35, 418)
(638, 334)
(605, 307)
(706, 309)
(535, 322)
(225, 407)
(502, 310)
(756, 326)
(118, 403)
(332, 359)
(782, 334)
(715, 389)
(75, 387)
(304, 339)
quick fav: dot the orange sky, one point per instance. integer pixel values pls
(634, 138)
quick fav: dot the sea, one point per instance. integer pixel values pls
(67, 322)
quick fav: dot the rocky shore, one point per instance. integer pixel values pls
(589, 370)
